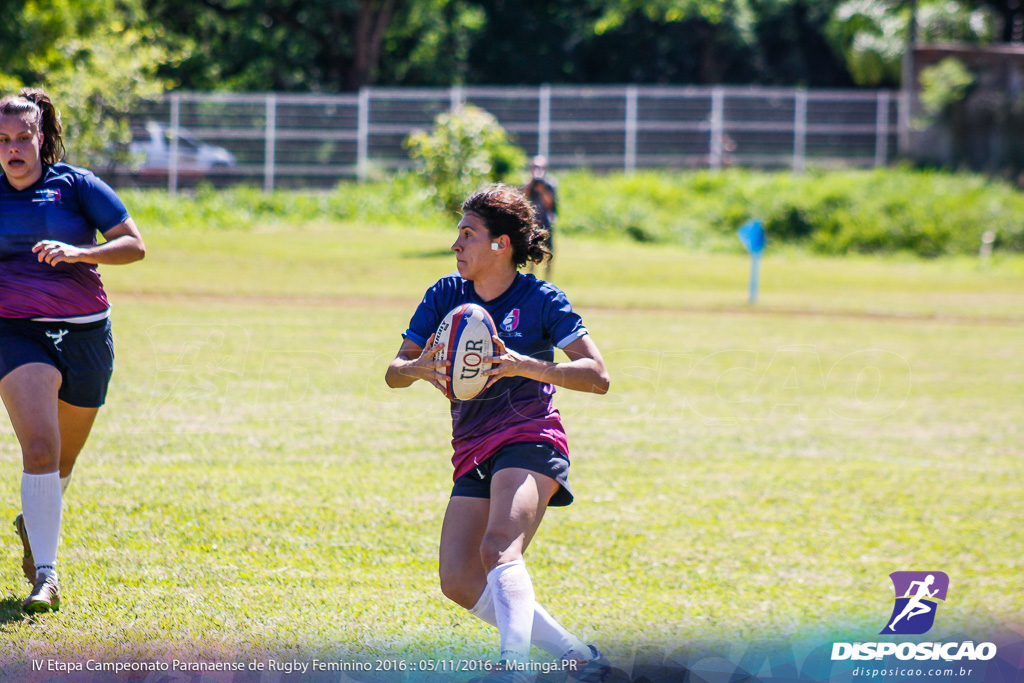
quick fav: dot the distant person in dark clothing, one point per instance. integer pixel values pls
(541, 190)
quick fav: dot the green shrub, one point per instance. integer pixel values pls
(927, 213)
(466, 148)
(943, 85)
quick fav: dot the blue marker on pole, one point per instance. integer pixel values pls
(751, 235)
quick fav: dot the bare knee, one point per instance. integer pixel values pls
(462, 586)
(41, 453)
(497, 548)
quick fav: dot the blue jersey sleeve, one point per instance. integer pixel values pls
(429, 314)
(564, 325)
(99, 203)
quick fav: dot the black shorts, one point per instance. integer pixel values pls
(539, 457)
(83, 353)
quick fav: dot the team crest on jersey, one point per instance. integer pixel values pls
(47, 197)
(511, 321)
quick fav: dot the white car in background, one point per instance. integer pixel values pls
(152, 148)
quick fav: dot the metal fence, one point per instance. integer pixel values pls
(286, 140)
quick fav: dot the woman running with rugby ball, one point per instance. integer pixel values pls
(511, 455)
(56, 349)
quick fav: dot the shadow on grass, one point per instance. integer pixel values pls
(10, 611)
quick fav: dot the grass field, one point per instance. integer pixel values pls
(252, 488)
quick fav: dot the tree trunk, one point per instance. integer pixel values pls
(371, 24)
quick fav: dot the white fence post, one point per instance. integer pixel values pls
(458, 97)
(904, 122)
(544, 122)
(717, 127)
(800, 132)
(172, 162)
(270, 138)
(631, 126)
(363, 134)
(882, 129)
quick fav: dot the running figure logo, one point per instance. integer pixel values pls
(57, 338)
(917, 596)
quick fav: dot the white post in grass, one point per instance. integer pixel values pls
(363, 135)
(631, 127)
(544, 123)
(270, 138)
(988, 240)
(172, 134)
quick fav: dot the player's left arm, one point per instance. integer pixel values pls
(123, 244)
(585, 370)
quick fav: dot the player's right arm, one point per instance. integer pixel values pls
(123, 245)
(415, 362)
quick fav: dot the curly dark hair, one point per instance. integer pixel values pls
(505, 211)
(41, 112)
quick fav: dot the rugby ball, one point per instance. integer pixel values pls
(466, 334)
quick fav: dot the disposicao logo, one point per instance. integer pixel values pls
(917, 599)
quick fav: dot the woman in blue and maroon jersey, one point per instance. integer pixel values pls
(511, 454)
(56, 349)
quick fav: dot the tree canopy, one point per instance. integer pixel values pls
(341, 45)
(96, 58)
(873, 34)
(99, 53)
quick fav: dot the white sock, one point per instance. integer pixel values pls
(548, 634)
(484, 607)
(513, 609)
(552, 637)
(41, 505)
(65, 482)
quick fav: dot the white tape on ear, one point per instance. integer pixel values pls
(494, 246)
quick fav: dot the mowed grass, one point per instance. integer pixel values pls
(252, 488)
